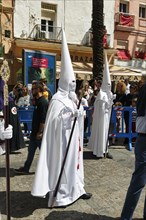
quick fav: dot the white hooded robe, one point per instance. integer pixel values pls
(101, 117)
(59, 121)
(100, 124)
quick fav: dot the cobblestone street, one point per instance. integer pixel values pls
(106, 179)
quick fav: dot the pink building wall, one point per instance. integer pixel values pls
(135, 34)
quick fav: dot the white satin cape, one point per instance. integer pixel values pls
(57, 130)
(100, 124)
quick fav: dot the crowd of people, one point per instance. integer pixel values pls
(22, 96)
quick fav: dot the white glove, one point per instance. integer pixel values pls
(7, 133)
(114, 96)
(77, 113)
(106, 110)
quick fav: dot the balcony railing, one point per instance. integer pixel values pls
(88, 39)
(45, 32)
(124, 21)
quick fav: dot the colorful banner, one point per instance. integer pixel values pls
(127, 20)
(38, 65)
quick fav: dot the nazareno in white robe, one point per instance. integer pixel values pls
(100, 124)
(57, 130)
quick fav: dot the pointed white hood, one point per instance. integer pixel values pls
(67, 73)
(106, 81)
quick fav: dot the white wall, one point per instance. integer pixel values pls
(24, 10)
(73, 15)
(109, 13)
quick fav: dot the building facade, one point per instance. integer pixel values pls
(36, 25)
(130, 33)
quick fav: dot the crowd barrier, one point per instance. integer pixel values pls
(127, 116)
(25, 116)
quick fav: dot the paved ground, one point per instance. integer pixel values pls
(106, 179)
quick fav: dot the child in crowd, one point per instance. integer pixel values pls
(118, 120)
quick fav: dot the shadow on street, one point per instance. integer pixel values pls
(23, 204)
(75, 215)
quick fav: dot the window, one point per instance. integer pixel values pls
(140, 46)
(124, 7)
(48, 7)
(121, 44)
(43, 25)
(46, 25)
(7, 33)
(50, 26)
(142, 11)
(48, 13)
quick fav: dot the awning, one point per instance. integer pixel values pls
(120, 73)
(81, 70)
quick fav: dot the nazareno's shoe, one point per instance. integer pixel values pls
(86, 196)
(108, 155)
(21, 170)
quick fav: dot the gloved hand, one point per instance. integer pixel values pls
(114, 96)
(106, 110)
(77, 113)
(6, 133)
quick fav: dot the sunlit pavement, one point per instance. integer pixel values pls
(106, 179)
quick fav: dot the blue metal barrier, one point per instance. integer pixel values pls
(114, 133)
(25, 116)
(123, 133)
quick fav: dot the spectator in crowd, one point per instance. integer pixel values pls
(18, 96)
(140, 83)
(61, 114)
(138, 180)
(24, 101)
(118, 120)
(38, 121)
(96, 84)
(93, 97)
(120, 93)
(128, 103)
(126, 81)
(26, 96)
(87, 91)
(47, 93)
(13, 93)
(22, 97)
(134, 115)
(32, 97)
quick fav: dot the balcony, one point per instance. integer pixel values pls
(124, 22)
(88, 39)
(46, 33)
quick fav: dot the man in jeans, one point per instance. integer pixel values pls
(138, 179)
(38, 121)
